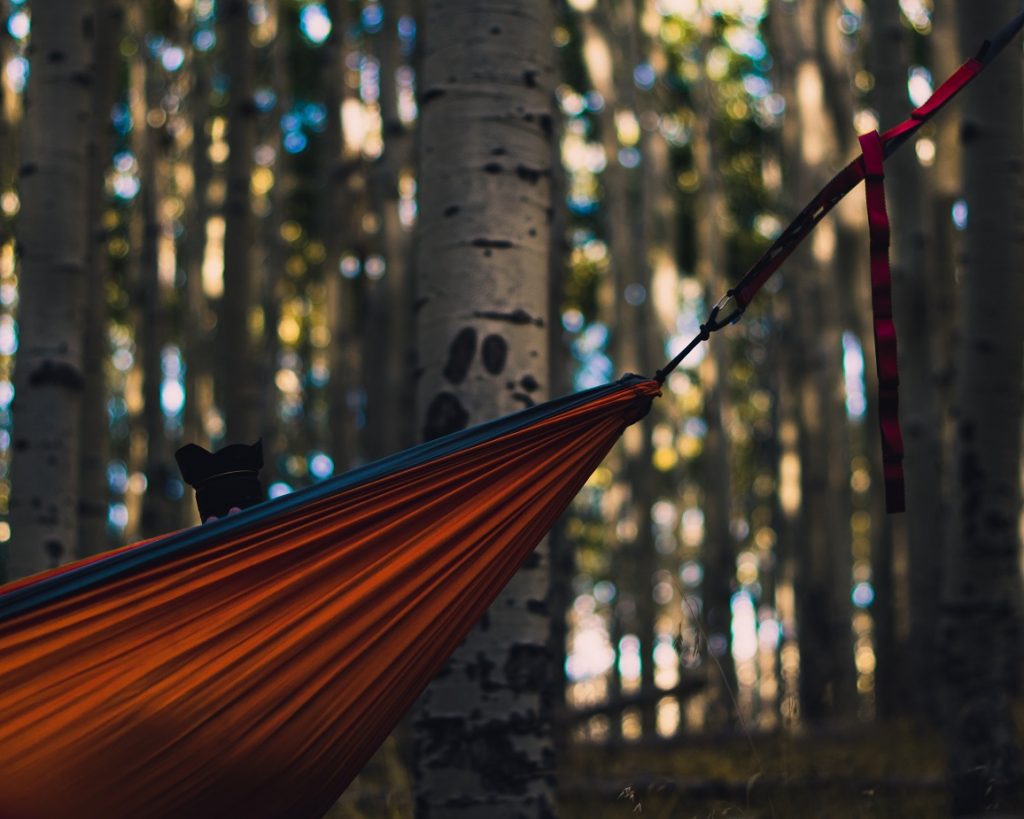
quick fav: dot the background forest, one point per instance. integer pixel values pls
(347, 226)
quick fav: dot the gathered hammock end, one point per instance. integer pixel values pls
(868, 166)
(251, 666)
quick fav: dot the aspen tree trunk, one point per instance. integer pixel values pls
(342, 179)
(602, 51)
(389, 326)
(719, 554)
(483, 728)
(10, 117)
(884, 540)
(824, 550)
(980, 635)
(657, 210)
(561, 545)
(611, 47)
(275, 253)
(95, 453)
(909, 253)
(632, 337)
(52, 241)
(946, 187)
(239, 388)
(199, 318)
(158, 512)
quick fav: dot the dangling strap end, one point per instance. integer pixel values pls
(885, 329)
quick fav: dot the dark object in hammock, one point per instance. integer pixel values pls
(226, 479)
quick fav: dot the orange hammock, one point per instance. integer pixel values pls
(250, 667)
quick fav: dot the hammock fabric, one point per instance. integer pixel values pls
(250, 667)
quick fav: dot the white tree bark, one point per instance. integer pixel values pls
(919, 402)
(980, 635)
(823, 551)
(95, 452)
(483, 241)
(241, 391)
(52, 243)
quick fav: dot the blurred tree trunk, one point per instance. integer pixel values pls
(10, 119)
(94, 490)
(52, 233)
(612, 48)
(389, 311)
(823, 553)
(657, 231)
(719, 556)
(602, 52)
(981, 609)
(562, 546)
(483, 726)
(275, 253)
(199, 317)
(150, 298)
(883, 541)
(342, 179)
(946, 187)
(240, 389)
(911, 239)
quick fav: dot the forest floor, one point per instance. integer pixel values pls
(861, 773)
(879, 771)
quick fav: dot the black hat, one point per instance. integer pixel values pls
(223, 479)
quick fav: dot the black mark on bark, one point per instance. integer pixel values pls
(527, 667)
(445, 415)
(460, 355)
(431, 94)
(58, 373)
(517, 316)
(55, 551)
(532, 175)
(538, 607)
(529, 383)
(524, 398)
(969, 132)
(497, 244)
(495, 353)
(451, 210)
(493, 167)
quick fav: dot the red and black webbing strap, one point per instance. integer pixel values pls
(885, 328)
(731, 307)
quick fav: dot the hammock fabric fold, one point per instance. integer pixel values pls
(250, 667)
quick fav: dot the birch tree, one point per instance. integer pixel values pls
(824, 549)
(150, 299)
(483, 732)
(95, 452)
(195, 343)
(240, 396)
(980, 638)
(49, 379)
(386, 360)
(911, 238)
